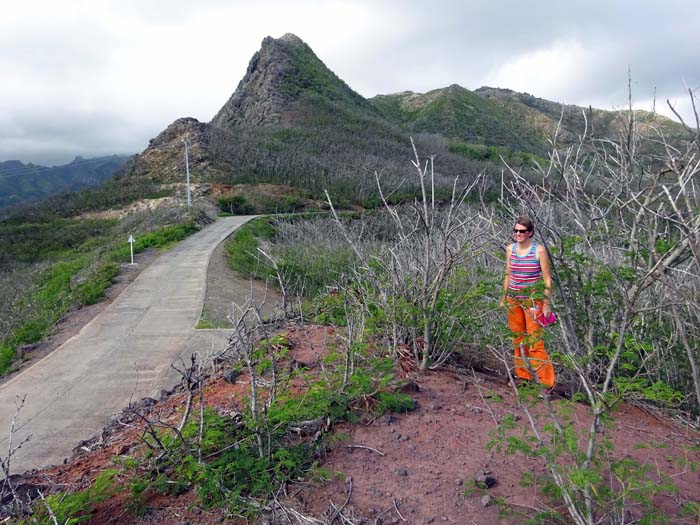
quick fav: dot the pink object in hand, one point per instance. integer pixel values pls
(546, 320)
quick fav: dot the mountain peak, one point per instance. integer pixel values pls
(12, 164)
(292, 39)
(282, 72)
(285, 42)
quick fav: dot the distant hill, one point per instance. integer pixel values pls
(457, 113)
(292, 121)
(23, 183)
(542, 114)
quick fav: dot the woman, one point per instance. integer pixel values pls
(526, 289)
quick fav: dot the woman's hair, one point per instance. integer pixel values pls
(526, 221)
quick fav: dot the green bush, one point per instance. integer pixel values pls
(29, 332)
(234, 204)
(242, 251)
(7, 357)
(471, 151)
(93, 289)
(164, 236)
(329, 309)
(76, 507)
(395, 402)
(484, 153)
(312, 269)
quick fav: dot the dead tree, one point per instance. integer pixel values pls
(410, 276)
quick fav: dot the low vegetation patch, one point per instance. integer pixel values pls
(242, 248)
(74, 507)
(308, 254)
(235, 459)
(257, 199)
(497, 154)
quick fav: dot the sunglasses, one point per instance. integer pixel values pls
(515, 230)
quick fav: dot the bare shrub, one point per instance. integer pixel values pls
(408, 280)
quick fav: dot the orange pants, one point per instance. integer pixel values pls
(528, 341)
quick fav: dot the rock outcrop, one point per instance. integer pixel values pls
(164, 159)
(279, 74)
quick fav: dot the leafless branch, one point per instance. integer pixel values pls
(366, 448)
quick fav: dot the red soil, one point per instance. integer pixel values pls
(423, 463)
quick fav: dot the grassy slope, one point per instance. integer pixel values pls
(309, 75)
(461, 114)
(546, 114)
(62, 264)
(501, 117)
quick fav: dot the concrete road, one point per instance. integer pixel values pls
(124, 353)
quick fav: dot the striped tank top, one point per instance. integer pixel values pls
(525, 270)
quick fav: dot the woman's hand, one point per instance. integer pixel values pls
(546, 309)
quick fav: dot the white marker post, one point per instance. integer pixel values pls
(131, 245)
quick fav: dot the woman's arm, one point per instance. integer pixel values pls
(506, 279)
(546, 267)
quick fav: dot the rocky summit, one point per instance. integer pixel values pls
(260, 97)
(281, 73)
(163, 161)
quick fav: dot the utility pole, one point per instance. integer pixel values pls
(187, 171)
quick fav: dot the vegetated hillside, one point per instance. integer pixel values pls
(292, 121)
(545, 114)
(21, 183)
(464, 115)
(52, 264)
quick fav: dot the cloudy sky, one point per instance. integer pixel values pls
(97, 77)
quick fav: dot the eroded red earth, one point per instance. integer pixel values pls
(417, 467)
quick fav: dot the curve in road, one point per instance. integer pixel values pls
(123, 354)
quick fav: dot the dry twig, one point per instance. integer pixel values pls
(483, 400)
(365, 447)
(396, 507)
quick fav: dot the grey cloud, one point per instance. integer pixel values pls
(58, 137)
(46, 48)
(659, 41)
(414, 45)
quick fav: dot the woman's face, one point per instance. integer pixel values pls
(521, 233)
